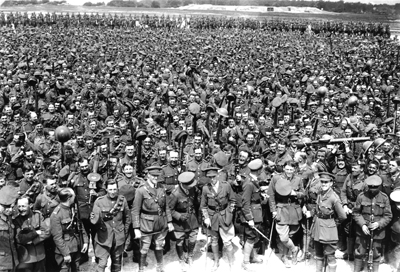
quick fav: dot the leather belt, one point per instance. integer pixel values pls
(218, 208)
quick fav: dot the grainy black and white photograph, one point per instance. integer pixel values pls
(199, 135)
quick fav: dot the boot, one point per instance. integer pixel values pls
(190, 254)
(331, 268)
(216, 258)
(375, 266)
(179, 251)
(142, 261)
(230, 259)
(248, 248)
(254, 257)
(350, 248)
(159, 259)
(319, 265)
(358, 264)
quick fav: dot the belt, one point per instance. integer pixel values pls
(152, 212)
(218, 208)
(323, 216)
(189, 210)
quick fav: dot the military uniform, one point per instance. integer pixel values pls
(324, 230)
(251, 211)
(46, 203)
(217, 205)
(30, 244)
(395, 228)
(352, 187)
(184, 218)
(112, 218)
(371, 207)
(8, 251)
(287, 208)
(64, 229)
(151, 215)
(197, 167)
(169, 177)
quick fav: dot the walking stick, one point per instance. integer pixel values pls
(206, 248)
(270, 239)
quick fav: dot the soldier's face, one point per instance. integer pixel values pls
(51, 185)
(198, 155)
(113, 163)
(147, 143)
(173, 160)
(393, 167)
(163, 154)
(23, 206)
(128, 170)
(130, 150)
(29, 175)
(325, 185)
(112, 190)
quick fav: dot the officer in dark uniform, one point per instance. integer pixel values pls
(151, 216)
(372, 213)
(285, 193)
(252, 214)
(217, 205)
(395, 197)
(111, 216)
(324, 230)
(181, 203)
(65, 231)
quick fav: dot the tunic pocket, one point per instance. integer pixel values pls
(328, 230)
(146, 223)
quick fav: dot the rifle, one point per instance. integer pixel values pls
(370, 262)
(78, 225)
(334, 141)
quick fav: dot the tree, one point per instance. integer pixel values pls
(155, 4)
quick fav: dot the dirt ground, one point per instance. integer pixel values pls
(202, 264)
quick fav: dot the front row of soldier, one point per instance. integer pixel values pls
(155, 212)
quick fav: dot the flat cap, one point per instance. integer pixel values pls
(326, 176)
(255, 165)
(211, 171)
(187, 178)
(8, 195)
(373, 180)
(221, 159)
(153, 170)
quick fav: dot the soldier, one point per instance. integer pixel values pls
(197, 164)
(353, 185)
(324, 230)
(151, 216)
(112, 217)
(46, 202)
(217, 205)
(8, 258)
(65, 231)
(285, 193)
(169, 174)
(372, 214)
(395, 197)
(31, 231)
(181, 203)
(252, 213)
